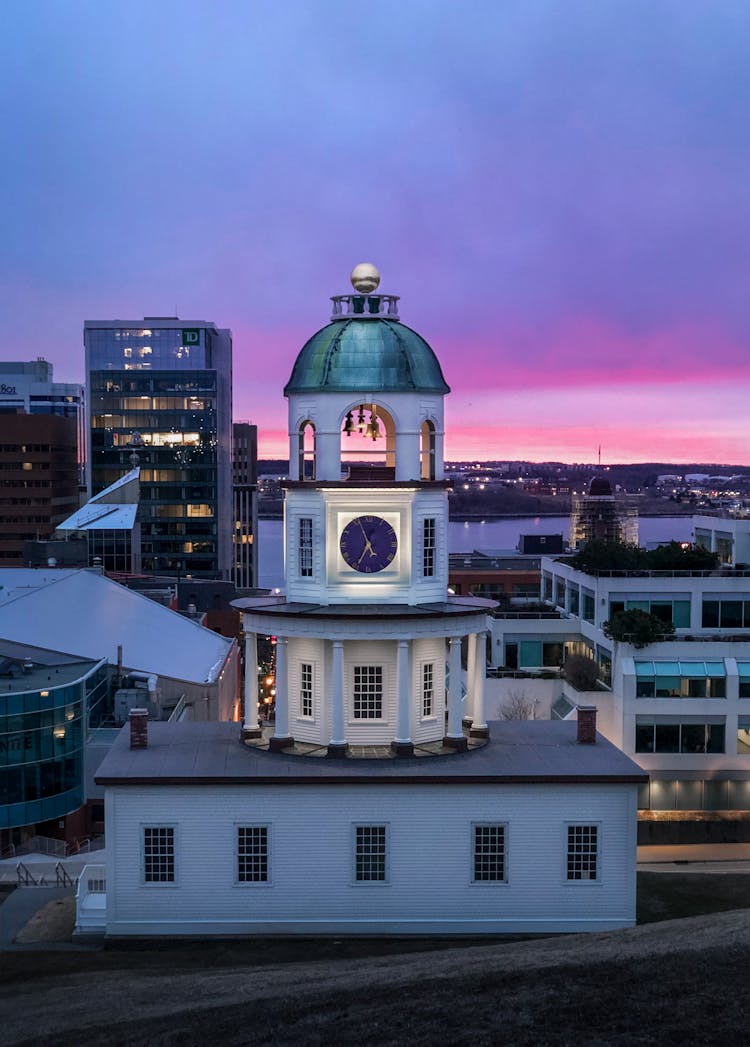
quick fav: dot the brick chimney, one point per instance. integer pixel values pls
(586, 724)
(138, 728)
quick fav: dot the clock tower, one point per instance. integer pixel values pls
(367, 493)
(368, 639)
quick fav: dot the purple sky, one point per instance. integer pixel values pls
(560, 192)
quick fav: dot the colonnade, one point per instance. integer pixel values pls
(402, 744)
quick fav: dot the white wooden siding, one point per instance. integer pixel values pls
(313, 653)
(424, 651)
(429, 862)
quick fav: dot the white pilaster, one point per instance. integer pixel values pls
(454, 736)
(479, 724)
(281, 737)
(250, 724)
(402, 744)
(470, 664)
(338, 740)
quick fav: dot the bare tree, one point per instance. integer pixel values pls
(519, 706)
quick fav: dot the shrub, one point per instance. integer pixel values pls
(637, 627)
(621, 556)
(610, 556)
(581, 672)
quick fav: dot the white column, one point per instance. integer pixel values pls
(281, 737)
(337, 745)
(454, 736)
(407, 455)
(402, 744)
(470, 663)
(328, 455)
(479, 724)
(250, 725)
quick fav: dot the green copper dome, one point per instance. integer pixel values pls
(358, 356)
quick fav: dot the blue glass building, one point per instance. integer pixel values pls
(46, 707)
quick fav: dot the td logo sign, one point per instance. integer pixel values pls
(191, 336)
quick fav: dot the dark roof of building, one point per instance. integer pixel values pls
(212, 754)
(454, 607)
(600, 487)
(366, 356)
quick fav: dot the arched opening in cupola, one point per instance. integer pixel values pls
(307, 450)
(368, 442)
(427, 445)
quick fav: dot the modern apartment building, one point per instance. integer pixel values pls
(679, 707)
(245, 494)
(160, 398)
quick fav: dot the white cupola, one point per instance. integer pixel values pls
(366, 504)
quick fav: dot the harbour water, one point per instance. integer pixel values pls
(482, 535)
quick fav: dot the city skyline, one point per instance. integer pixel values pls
(559, 195)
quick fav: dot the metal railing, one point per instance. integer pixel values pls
(63, 877)
(546, 673)
(716, 572)
(26, 878)
(42, 845)
(174, 716)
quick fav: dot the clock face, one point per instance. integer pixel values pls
(368, 544)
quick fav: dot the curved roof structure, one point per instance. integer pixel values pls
(600, 487)
(372, 355)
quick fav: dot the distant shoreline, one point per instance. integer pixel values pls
(476, 517)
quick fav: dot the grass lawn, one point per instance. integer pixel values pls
(670, 896)
(678, 998)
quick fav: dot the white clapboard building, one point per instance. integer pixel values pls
(380, 801)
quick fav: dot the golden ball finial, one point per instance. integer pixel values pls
(365, 278)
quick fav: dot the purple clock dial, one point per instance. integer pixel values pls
(368, 544)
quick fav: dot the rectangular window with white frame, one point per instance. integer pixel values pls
(428, 690)
(370, 853)
(306, 690)
(582, 861)
(368, 692)
(429, 546)
(252, 854)
(488, 859)
(159, 854)
(305, 547)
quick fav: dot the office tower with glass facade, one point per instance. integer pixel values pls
(160, 397)
(245, 477)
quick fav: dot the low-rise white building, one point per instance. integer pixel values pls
(532, 832)
(680, 707)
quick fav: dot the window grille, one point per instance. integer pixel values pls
(583, 852)
(368, 692)
(428, 690)
(306, 689)
(252, 854)
(489, 853)
(428, 547)
(370, 853)
(305, 547)
(158, 854)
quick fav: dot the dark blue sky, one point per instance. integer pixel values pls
(559, 192)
